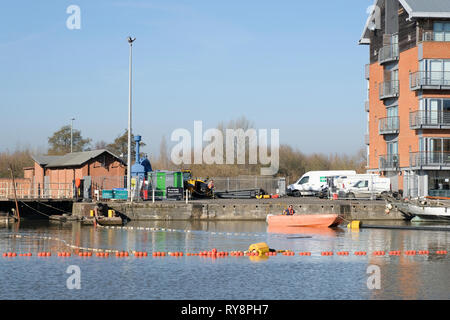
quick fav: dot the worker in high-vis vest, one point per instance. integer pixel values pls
(289, 211)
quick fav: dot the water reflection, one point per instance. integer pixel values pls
(402, 277)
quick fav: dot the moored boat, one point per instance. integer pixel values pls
(305, 220)
(428, 211)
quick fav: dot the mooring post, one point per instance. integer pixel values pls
(153, 195)
(15, 195)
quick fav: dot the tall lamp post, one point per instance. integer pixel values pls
(130, 41)
(71, 134)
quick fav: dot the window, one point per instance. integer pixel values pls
(362, 184)
(441, 31)
(304, 180)
(435, 111)
(435, 72)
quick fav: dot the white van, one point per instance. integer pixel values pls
(342, 183)
(311, 183)
(367, 188)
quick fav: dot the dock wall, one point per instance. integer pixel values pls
(241, 210)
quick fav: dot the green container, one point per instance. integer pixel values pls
(107, 194)
(178, 179)
(160, 184)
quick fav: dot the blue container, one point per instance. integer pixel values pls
(107, 194)
(120, 194)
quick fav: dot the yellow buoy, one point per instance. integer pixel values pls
(111, 213)
(91, 213)
(354, 224)
(261, 248)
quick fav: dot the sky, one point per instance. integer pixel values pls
(292, 65)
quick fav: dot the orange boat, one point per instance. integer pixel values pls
(304, 220)
(328, 232)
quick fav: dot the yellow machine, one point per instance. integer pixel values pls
(197, 187)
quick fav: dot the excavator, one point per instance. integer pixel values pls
(198, 188)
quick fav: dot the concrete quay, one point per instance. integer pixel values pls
(242, 210)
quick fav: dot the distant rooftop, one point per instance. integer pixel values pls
(71, 159)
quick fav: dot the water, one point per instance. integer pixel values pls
(280, 277)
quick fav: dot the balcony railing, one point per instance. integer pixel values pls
(389, 89)
(367, 139)
(388, 53)
(389, 125)
(429, 120)
(367, 106)
(429, 159)
(367, 71)
(436, 36)
(389, 162)
(439, 80)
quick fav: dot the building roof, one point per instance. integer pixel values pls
(77, 158)
(427, 8)
(43, 160)
(415, 9)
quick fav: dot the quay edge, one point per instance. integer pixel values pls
(242, 210)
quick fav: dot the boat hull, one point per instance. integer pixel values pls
(435, 213)
(304, 220)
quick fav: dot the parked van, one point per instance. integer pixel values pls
(311, 183)
(367, 188)
(342, 183)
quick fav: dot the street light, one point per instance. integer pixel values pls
(71, 134)
(130, 41)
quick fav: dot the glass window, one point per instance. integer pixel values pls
(441, 31)
(304, 180)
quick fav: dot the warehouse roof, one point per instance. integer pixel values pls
(43, 160)
(77, 158)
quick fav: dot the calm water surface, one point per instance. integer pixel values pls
(315, 277)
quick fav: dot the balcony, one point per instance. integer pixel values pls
(389, 125)
(429, 120)
(388, 54)
(389, 89)
(389, 162)
(434, 80)
(366, 139)
(429, 160)
(429, 36)
(367, 71)
(367, 106)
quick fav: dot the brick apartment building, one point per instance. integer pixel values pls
(408, 105)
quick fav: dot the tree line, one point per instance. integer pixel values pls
(293, 162)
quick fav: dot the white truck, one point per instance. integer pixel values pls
(369, 188)
(312, 182)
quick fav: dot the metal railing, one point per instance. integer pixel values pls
(419, 159)
(269, 184)
(30, 190)
(367, 139)
(367, 106)
(389, 89)
(432, 79)
(436, 36)
(367, 71)
(429, 119)
(389, 161)
(389, 125)
(388, 53)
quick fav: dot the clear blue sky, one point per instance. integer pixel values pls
(293, 65)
